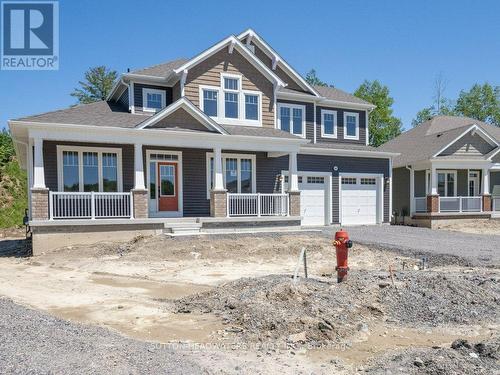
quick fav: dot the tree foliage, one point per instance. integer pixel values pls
(6, 147)
(383, 126)
(97, 85)
(314, 80)
(481, 102)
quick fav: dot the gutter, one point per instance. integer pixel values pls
(322, 100)
(342, 152)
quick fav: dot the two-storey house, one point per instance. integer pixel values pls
(229, 138)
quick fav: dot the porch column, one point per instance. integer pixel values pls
(39, 192)
(412, 191)
(218, 194)
(293, 185)
(485, 188)
(139, 192)
(433, 198)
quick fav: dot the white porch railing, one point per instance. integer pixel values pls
(460, 204)
(495, 204)
(420, 204)
(75, 205)
(257, 204)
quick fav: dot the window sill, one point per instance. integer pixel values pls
(330, 136)
(351, 138)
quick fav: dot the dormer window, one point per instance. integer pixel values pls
(153, 100)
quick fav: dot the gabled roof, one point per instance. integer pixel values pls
(162, 70)
(428, 139)
(268, 50)
(333, 93)
(232, 43)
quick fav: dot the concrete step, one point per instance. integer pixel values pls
(182, 228)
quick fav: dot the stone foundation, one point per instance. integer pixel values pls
(218, 203)
(433, 203)
(140, 199)
(39, 204)
(294, 204)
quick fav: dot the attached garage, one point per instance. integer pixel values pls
(361, 199)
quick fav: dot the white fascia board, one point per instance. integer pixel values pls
(494, 154)
(341, 152)
(482, 133)
(190, 108)
(146, 78)
(241, 49)
(271, 53)
(153, 137)
(342, 104)
(113, 91)
(324, 101)
(460, 163)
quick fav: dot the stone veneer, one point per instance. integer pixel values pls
(218, 203)
(433, 203)
(140, 199)
(39, 204)
(486, 202)
(294, 206)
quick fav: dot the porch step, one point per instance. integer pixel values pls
(179, 228)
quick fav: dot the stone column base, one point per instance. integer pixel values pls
(294, 203)
(218, 203)
(486, 198)
(140, 202)
(39, 204)
(433, 203)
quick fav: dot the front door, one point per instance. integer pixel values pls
(168, 198)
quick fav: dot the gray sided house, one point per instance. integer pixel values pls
(448, 169)
(231, 137)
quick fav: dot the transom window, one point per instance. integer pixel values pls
(447, 183)
(349, 181)
(351, 125)
(230, 103)
(291, 118)
(328, 123)
(368, 181)
(82, 169)
(238, 173)
(153, 100)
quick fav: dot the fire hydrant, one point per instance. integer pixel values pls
(342, 245)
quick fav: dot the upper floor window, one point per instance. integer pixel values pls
(153, 100)
(291, 118)
(229, 103)
(351, 125)
(328, 123)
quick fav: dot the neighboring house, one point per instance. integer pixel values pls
(447, 169)
(233, 136)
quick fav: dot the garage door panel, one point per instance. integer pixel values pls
(312, 203)
(358, 203)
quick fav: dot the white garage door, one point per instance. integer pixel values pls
(359, 200)
(312, 199)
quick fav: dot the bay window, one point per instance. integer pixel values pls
(83, 169)
(238, 173)
(291, 118)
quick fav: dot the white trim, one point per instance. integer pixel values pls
(367, 126)
(145, 92)
(475, 128)
(180, 201)
(346, 152)
(315, 123)
(225, 156)
(80, 150)
(477, 182)
(455, 182)
(356, 115)
(190, 108)
(277, 59)
(380, 192)
(330, 112)
(291, 107)
(131, 98)
(241, 49)
(324, 101)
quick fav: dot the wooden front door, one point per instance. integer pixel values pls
(168, 197)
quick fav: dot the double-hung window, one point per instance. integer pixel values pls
(447, 186)
(238, 173)
(328, 123)
(351, 125)
(231, 88)
(153, 100)
(82, 169)
(291, 118)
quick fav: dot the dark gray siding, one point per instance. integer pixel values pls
(50, 162)
(309, 116)
(123, 100)
(462, 182)
(420, 183)
(138, 94)
(340, 126)
(269, 168)
(401, 190)
(494, 180)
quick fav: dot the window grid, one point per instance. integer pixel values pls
(349, 181)
(368, 181)
(315, 180)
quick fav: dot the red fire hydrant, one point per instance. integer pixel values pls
(342, 245)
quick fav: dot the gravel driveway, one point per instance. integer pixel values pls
(477, 249)
(32, 342)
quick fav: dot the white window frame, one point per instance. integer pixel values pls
(356, 115)
(221, 102)
(80, 150)
(232, 156)
(455, 182)
(145, 92)
(323, 133)
(291, 107)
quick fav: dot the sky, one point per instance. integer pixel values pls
(403, 44)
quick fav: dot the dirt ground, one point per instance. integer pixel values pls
(474, 226)
(230, 300)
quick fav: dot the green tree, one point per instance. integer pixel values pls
(481, 102)
(313, 79)
(383, 126)
(441, 105)
(97, 85)
(6, 147)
